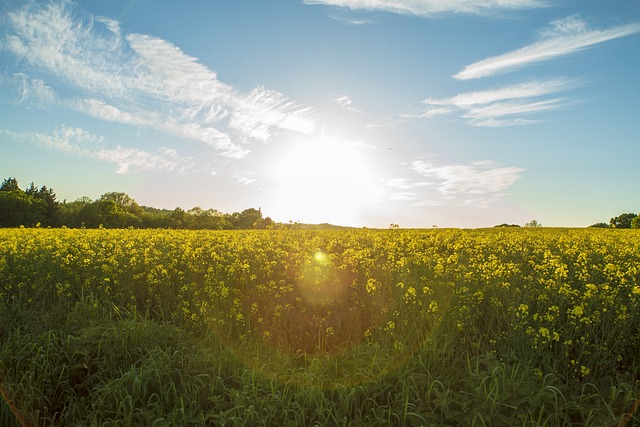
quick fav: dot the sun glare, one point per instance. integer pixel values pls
(325, 180)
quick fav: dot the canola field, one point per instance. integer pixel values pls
(291, 327)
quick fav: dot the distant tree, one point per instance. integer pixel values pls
(124, 201)
(108, 214)
(39, 206)
(599, 225)
(248, 218)
(70, 212)
(622, 221)
(18, 208)
(178, 218)
(533, 223)
(506, 225)
(155, 218)
(28, 208)
(264, 224)
(52, 213)
(635, 222)
(210, 219)
(9, 184)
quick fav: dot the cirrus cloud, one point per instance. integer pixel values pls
(428, 8)
(561, 37)
(489, 108)
(478, 183)
(80, 142)
(89, 64)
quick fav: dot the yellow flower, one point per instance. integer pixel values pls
(584, 371)
(390, 325)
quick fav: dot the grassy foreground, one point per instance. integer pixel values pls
(520, 327)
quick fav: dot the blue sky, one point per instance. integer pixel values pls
(355, 112)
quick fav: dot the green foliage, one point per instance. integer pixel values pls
(635, 222)
(622, 221)
(18, 208)
(9, 184)
(600, 225)
(112, 210)
(27, 208)
(122, 201)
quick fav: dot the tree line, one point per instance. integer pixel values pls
(625, 220)
(39, 207)
(35, 206)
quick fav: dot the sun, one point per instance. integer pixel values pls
(325, 180)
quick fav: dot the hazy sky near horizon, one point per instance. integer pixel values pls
(354, 112)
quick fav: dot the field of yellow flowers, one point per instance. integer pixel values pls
(293, 327)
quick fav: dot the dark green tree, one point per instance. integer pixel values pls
(52, 214)
(248, 218)
(108, 214)
(9, 184)
(18, 208)
(70, 212)
(210, 219)
(178, 218)
(600, 225)
(124, 201)
(622, 221)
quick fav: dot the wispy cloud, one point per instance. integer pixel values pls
(32, 90)
(82, 143)
(346, 103)
(351, 21)
(139, 80)
(510, 108)
(489, 107)
(478, 183)
(561, 37)
(517, 91)
(245, 179)
(428, 8)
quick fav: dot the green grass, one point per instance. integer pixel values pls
(119, 370)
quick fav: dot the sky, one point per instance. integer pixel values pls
(421, 113)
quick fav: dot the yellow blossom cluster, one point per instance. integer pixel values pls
(568, 297)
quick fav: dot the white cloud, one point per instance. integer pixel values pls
(493, 122)
(510, 108)
(565, 26)
(141, 80)
(34, 90)
(351, 21)
(111, 24)
(132, 158)
(489, 107)
(347, 103)
(343, 101)
(100, 109)
(428, 8)
(256, 113)
(479, 183)
(517, 91)
(245, 180)
(82, 143)
(562, 37)
(170, 125)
